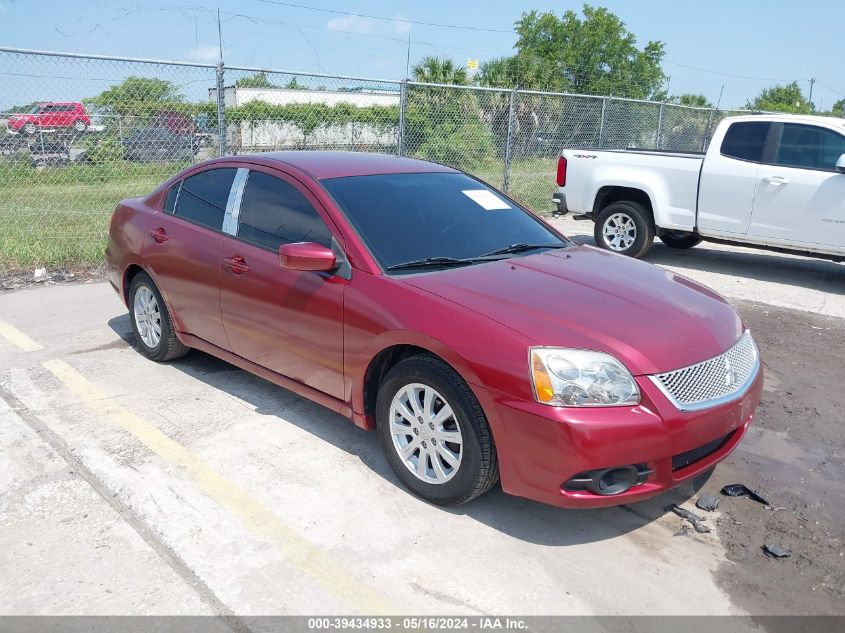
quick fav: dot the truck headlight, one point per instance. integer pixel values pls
(580, 378)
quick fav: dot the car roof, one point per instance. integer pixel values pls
(322, 164)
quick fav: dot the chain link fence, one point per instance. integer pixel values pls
(80, 132)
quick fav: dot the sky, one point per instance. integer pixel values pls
(741, 45)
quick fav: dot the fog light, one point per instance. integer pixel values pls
(613, 481)
(609, 481)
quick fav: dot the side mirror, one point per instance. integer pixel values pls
(307, 256)
(840, 164)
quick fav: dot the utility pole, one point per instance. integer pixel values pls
(221, 88)
(219, 35)
(810, 99)
(408, 58)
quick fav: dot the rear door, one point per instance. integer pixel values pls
(729, 179)
(800, 196)
(182, 251)
(288, 321)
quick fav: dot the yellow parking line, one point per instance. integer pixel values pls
(304, 555)
(18, 338)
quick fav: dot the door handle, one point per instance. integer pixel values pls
(159, 235)
(776, 180)
(236, 263)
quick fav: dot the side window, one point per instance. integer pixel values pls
(809, 146)
(170, 200)
(274, 212)
(746, 140)
(203, 197)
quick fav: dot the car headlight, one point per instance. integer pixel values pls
(581, 378)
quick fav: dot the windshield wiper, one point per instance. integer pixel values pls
(520, 247)
(433, 261)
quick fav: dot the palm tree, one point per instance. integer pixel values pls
(439, 70)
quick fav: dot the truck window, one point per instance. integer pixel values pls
(745, 140)
(809, 146)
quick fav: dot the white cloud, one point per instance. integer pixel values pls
(204, 53)
(352, 23)
(403, 26)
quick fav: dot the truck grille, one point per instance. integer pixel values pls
(712, 381)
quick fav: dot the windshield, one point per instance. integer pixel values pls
(416, 217)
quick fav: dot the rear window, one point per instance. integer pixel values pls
(170, 200)
(202, 198)
(746, 140)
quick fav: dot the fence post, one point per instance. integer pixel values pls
(601, 122)
(221, 107)
(120, 129)
(659, 126)
(707, 130)
(403, 100)
(508, 142)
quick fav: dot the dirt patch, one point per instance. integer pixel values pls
(18, 279)
(794, 456)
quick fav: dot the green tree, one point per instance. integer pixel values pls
(838, 108)
(437, 70)
(133, 91)
(258, 80)
(690, 99)
(782, 98)
(593, 55)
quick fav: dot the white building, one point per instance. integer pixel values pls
(269, 134)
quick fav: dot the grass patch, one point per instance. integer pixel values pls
(59, 216)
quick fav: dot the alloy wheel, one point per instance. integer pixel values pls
(147, 317)
(619, 231)
(426, 434)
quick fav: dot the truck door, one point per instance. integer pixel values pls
(729, 179)
(800, 195)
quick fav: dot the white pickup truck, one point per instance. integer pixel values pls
(770, 181)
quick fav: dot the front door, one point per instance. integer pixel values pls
(182, 251)
(288, 321)
(800, 196)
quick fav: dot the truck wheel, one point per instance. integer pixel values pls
(626, 228)
(680, 240)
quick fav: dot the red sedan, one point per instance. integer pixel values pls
(412, 298)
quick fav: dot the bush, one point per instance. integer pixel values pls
(103, 151)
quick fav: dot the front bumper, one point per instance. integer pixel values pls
(540, 448)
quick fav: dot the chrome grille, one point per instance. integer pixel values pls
(712, 381)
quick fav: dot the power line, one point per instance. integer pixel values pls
(387, 19)
(716, 72)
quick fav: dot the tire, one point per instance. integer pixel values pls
(79, 125)
(636, 224)
(145, 299)
(477, 468)
(29, 128)
(680, 240)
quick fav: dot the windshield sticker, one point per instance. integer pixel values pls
(486, 199)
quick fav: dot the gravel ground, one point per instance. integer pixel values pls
(795, 458)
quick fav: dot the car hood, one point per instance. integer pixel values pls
(651, 319)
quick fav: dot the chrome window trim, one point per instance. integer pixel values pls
(233, 203)
(715, 402)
